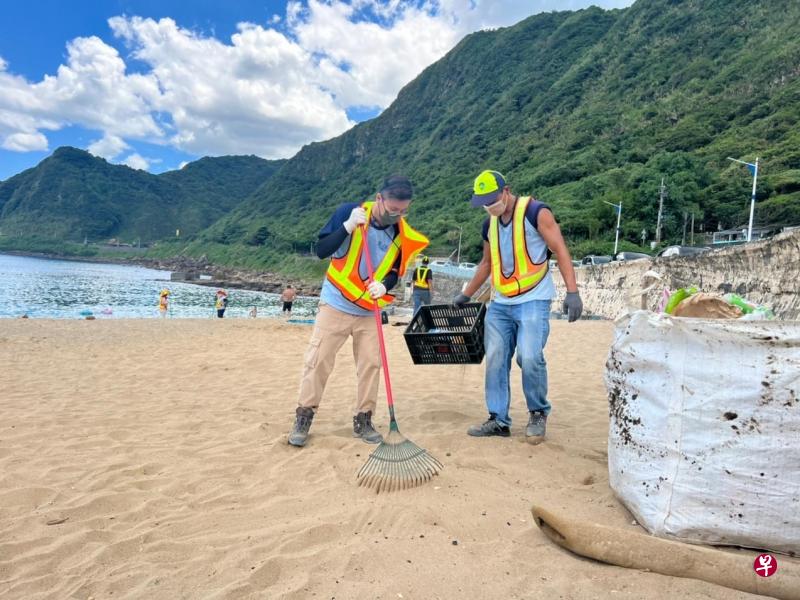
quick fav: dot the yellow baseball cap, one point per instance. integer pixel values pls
(487, 188)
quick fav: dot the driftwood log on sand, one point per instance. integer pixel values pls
(640, 551)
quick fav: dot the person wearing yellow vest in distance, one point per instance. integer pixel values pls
(423, 285)
(163, 303)
(221, 303)
(518, 237)
(347, 299)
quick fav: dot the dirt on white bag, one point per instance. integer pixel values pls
(704, 438)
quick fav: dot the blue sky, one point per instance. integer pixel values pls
(154, 84)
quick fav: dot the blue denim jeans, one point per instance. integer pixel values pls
(523, 327)
(421, 297)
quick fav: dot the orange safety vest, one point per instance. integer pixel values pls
(420, 282)
(344, 274)
(527, 274)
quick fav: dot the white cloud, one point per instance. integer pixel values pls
(137, 161)
(256, 95)
(366, 63)
(109, 147)
(266, 91)
(25, 142)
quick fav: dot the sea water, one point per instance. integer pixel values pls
(65, 289)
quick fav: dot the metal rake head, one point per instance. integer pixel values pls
(397, 464)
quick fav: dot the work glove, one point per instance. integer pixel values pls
(376, 290)
(573, 306)
(460, 300)
(358, 216)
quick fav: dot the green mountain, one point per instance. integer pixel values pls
(577, 108)
(73, 195)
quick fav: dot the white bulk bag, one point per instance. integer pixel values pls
(704, 438)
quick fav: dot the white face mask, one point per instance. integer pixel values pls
(496, 209)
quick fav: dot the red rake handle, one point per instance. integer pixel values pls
(377, 312)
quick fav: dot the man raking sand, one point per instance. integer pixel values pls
(349, 295)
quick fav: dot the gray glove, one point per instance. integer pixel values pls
(460, 300)
(573, 306)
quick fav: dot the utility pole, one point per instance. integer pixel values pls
(619, 218)
(661, 195)
(692, 242)
(458, 257)
(753, 168)
(685, 222)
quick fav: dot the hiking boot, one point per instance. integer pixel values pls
(362, 428)
(536, 427)
(302, 423)
(489, 428)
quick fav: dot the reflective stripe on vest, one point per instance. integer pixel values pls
(344, 274)
(527, 274)
(422, 273)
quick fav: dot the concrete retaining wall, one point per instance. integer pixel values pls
(766, 272)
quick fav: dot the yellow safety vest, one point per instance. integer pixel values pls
(526, 274)
(344, 272)
(420, 281)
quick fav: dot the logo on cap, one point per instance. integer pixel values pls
(487, 187)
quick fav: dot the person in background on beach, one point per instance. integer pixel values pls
(519, 234)
(253, 312)
(423, 285)
(348, 297)
(163, 303)
(287, 297)
(221, 303)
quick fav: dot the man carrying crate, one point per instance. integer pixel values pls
(347, 299)
(518, 237)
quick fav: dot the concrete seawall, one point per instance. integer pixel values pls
(766, 272)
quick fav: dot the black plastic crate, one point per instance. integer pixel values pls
(443, 334)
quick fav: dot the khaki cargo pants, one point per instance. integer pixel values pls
(331, 330)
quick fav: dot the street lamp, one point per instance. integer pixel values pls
(619, 217)
(753, 168)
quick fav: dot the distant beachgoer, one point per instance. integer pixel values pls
(221, 303)
(287, 297)
(163, 302)
(423, 285)
(253, 312)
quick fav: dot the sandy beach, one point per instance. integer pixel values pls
(148, 459)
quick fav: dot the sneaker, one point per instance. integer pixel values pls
(362, 428)
(536, 426)
(489, 428)
(302, 424)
